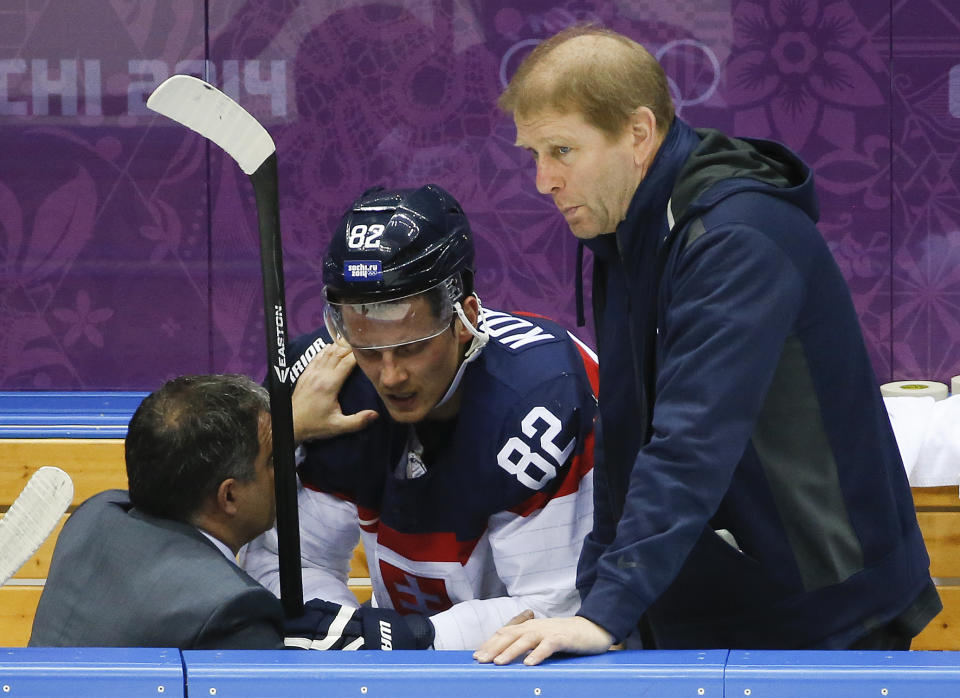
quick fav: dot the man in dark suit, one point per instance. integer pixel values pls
(156, 567)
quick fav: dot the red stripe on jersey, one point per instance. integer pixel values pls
(580, 465)
(426, 547)
(369, 519)
(365, 514)
(592, 369)
(529, 314)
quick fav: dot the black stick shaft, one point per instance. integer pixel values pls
(281, 412)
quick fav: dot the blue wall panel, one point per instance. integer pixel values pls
(243, 674)
(39, 672)
(67, 415)
(796, 674)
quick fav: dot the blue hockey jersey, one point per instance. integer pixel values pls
(471, 520)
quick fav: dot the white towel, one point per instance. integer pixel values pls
(928, 434)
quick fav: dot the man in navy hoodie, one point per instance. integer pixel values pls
(752, 493)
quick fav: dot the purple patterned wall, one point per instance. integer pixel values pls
(127, 244)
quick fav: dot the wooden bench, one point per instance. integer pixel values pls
(938, 511)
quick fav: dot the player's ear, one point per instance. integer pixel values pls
(472, 311)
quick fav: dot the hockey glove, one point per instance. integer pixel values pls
(330, 626)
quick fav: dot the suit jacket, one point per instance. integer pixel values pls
(121, 578)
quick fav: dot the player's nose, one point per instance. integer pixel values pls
(392, 371)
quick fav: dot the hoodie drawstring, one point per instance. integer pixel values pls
(581, 319)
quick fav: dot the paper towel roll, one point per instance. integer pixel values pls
(955, 385)
(938, 391)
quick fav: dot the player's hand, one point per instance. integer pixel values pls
(541, 638)
(316, 410)
(324, 625)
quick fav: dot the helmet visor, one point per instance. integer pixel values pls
(394, 322)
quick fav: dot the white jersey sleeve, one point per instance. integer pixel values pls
(329, 531)
(535, 556)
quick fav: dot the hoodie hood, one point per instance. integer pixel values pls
(720, 166)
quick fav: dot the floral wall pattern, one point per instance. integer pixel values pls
(128, 249)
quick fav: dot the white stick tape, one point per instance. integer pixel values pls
(32, 517)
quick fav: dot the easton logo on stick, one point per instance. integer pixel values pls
(281, 368)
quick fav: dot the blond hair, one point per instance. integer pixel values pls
(599, 73)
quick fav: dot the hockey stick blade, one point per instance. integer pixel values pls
(32, 517)
(203, 108)
(212, 114)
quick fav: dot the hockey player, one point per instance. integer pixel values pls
(472, 491)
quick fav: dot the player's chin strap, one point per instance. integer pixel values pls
(479, 341)
(480, 335)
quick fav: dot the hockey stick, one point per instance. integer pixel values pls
(32, 517)
(206, 110)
